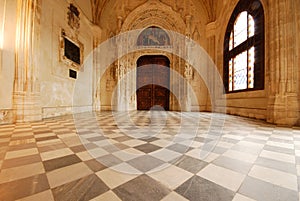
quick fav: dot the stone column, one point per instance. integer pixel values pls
(96, 68)
(283, 106)
(174, 85)
(26, 93)
(122, 98)
(214, 90)
(122, 69)
(187, 68)
(188, 74)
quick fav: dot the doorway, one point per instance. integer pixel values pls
(153, 83)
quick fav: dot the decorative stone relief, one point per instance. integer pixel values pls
(154, 11)
(188, 72)
(3, 115)
(120, 22)
(113, 71)
(121, 70)
(188, 21)
(196, 34)
(73, 17)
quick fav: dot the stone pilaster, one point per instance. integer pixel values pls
(188, 75)
(96, 68)
(214, 89)
(283, 103)
(26, 93)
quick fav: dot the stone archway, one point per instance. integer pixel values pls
(151, 14)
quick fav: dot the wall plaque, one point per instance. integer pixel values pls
(71, 51)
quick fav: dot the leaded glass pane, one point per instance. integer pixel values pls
(230, 74)
(250, 26)
(231, 42)
(240, 29)
(240, 71)
(251, 67)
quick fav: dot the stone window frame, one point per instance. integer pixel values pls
(255, 9)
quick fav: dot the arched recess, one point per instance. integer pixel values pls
(151, 14)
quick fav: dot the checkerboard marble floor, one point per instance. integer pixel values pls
(144, 155)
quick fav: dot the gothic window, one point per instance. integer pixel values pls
(244, 48)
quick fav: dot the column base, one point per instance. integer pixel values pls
(283, 110)
(27, 107)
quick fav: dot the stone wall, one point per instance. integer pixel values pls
(278, 103)
(8, 10)
(60, 94)
(34, 75)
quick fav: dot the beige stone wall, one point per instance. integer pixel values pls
(34, 80)
(277, 103)
(59, 93)
(8, 17)
(297, 16)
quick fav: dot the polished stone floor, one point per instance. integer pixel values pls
(144, 155)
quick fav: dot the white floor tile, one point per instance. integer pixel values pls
(174, 197)
(165, 155)
(239, 197)
(275, 177)
(222, 176)
(111, 196)
(278, 156)
(114, 178)
(171, 176)
(249, 158)
(280, 144)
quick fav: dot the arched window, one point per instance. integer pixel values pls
(244, 48)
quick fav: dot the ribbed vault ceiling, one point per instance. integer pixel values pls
(209, 6)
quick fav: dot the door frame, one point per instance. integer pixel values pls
(169, 76)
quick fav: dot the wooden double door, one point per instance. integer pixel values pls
(153, 83)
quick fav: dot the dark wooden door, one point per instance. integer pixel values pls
(153, 81)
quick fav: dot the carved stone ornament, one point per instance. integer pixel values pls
(73, 17)
(188, 71)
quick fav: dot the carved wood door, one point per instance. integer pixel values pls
(153, 82)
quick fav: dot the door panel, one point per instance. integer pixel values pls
(153, 78)
(144, 96)
(161, 97)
